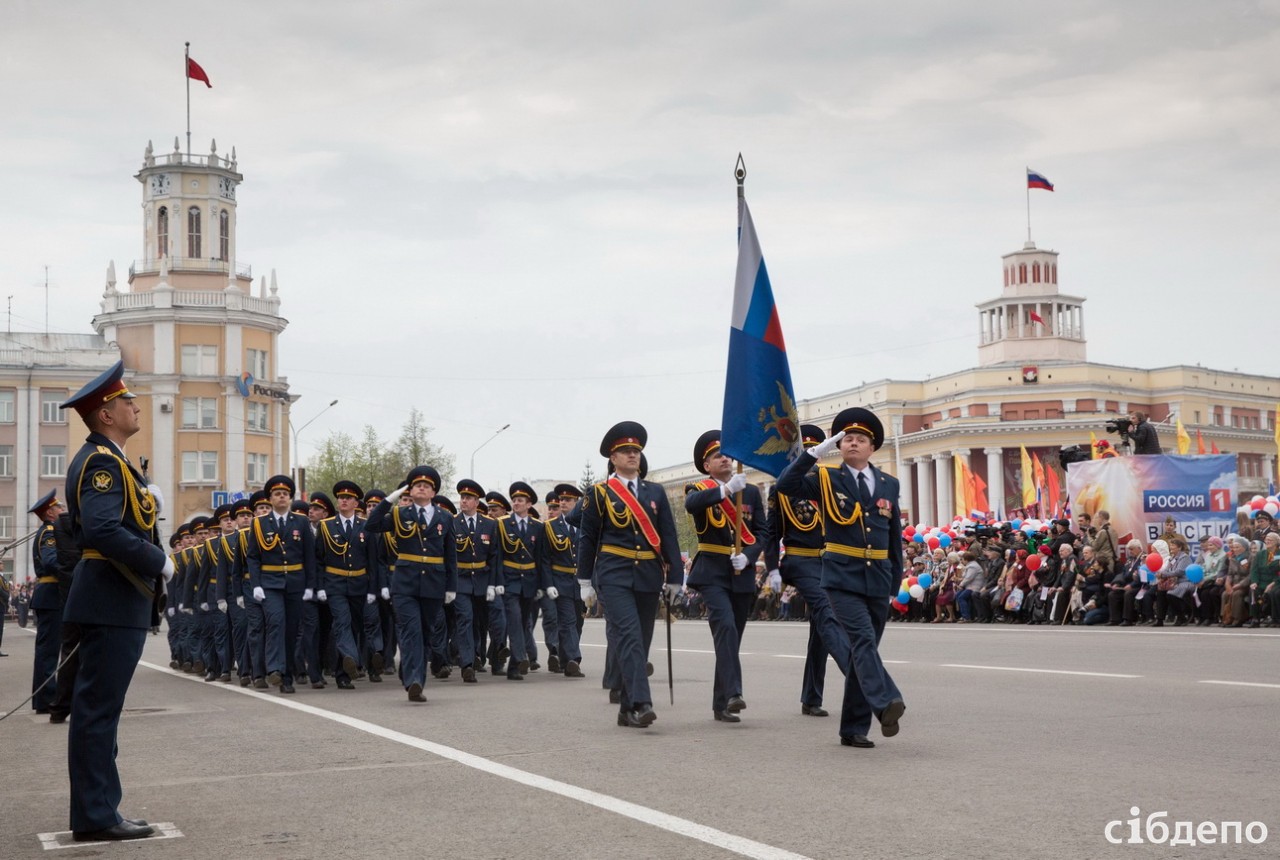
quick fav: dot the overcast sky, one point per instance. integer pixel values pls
(525, 213)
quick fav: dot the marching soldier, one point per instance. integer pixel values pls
(47, 603)
(498, 507)
(379, 617)
(232, 578)
(795, 526)
(559, 562)
(282, 573)
(255, 614)
(629, 550)
(425, 573)
(343, 552)
(217, 658)
(182, 582)
(478, 575)
(518, 543)
(724, 577)
(177, 545)
(861, 561)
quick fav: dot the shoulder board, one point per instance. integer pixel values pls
(705, 484)
(483, 516)
(103, 449)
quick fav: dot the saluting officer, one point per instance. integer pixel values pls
(518, 543)
(559, 561)
(425, 575)
(47, 603)
(343, 556)
(861, 561)
(629, 550)
(724, 577)
(282, 574)
(113, 517)
(478, 576)
(795, 528)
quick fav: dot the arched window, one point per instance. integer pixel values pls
(1006, 277)
(1022, 273)
(1035, 273)
(162, 232)
(1053, 278)
(224, 235)
(193, 232)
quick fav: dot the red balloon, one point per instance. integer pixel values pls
(932, 541)
(901, 607)
(951, 534)
(1258, 504)
(909, 532)
(1155, 561)
(1044, 549)
(911, 580)
(1033, 562)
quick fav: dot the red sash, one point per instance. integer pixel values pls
(633, 505)
(730, 511)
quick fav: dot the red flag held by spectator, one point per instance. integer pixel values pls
(196, 73)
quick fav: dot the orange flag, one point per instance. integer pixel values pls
(1054, 490)
(1214, 449)
(1199, 443)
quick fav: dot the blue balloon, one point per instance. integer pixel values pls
(925, 580)
(1017, 524)
(904, 597)
(944, 540)
(917, 538)
(1195, 573)
(1029, 529)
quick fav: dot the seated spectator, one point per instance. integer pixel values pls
(971, 579)
(946, 599)
(1262, 580)
(1123, 588)
(1064, 586)
(1214, 561)
(987, 599)
(1172, 587)
(1235, 581)
(784, 612)
(1094, 608)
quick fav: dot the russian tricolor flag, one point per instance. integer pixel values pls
(760, 426)
(1035, 180)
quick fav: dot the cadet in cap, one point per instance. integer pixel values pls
(381, 656)
(560, 557)
(346, 589)
(861, 561)
(479, 609)
(518, 545)
(324, 503)
(280, 482)
(46, 602)
(446, 503)
(497, 504)
(260, 501)
(317, 619)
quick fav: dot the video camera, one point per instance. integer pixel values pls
(1119, 425)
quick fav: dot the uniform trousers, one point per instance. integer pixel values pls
(414, 619)
(372, 638)
(108, 658)
(567, 632)
(826, 636)
(213, 639)
(237, 628)
(70, 661)
(307, 656)
(868, 689)
(551, 624)
(282, 614)
(518, 608)
(628, 625)
(347, 611)
(48, 643)
(727, 613)
(254, 657)
(464, 629)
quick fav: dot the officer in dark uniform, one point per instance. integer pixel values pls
(282, 573)
(113, 517)
(559, 563)
(343, 556)
(5, 593)
(255, 615)
(230, 592)
(178, 546)
(478, 574)
(629, 550)
(861, 561)
(518, 538)
(46, 601)
(313, 632)
(182, 587)
(202, 598)
(379, 617)
(425, 575)
(498, 507)
(223, 524)
(68, 655)
(796, 526)
(724, 576)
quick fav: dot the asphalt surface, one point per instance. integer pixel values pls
(993, 760)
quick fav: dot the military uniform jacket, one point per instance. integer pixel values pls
(426, 560)
(479, 560)
(520, 573)
(612, 549)
(716, 533)
(862, 548)
(202, 585)
(44, 557)
(343, 561)
(68, 553)
(281, 559)
(233, 573)
(112, 518)
(796, 526)
(558, 555)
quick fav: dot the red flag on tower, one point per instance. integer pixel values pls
(1036, 318)
(196, 73)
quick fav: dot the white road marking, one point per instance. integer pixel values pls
(1243, 684)
(664, 821)
(1038, 671)
(63, 839)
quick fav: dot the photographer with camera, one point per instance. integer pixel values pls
(1143, 434)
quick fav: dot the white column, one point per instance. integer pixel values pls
(926, 513)
(946, 488)
(995, 479)
(907, 491)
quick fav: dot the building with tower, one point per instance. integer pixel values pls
(1033, 386)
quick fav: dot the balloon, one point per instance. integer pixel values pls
(1271, 508)
(933, 542)
(1028, 529)
(909, 531)
(943, 540)
(925, 580)
(1044, 549)
(1195, 573)
(917, 538)
(904, 585)
(901, 607)
(1017, 524)
(917, 592)
(912, 580)
(904, 596)
(1255, 498)
(1033, 562)
(1257, 503)
(1155, 561)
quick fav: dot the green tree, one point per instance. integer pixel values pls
(374, 462)
(415, 448)
(588, 479)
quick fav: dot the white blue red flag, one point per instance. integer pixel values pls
(760, 427)
(1036, 180)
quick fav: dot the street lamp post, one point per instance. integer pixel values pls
(298, 470)
(497, 433)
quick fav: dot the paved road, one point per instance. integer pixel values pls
(1017, 742)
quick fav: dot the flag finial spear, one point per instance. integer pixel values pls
(740, 173)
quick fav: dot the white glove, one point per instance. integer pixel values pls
(188, 612)
(449, 597)
(308, 595)
(588, 592)
(394, 495)
(772, 572)
(259, 595)
(168, 570)
(386, 594)
(826, 446)
(490, 593)
(672, 591)
(321, 596)
(171, 611)
(501, 589)
(735, 484)
(240, 601)
(204, 607)
(738, 560)
(538, 594)
(370, 598)
(156, 494)
(182, 607)
(553, 593)
(222, 606)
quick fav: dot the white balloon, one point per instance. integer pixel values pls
(1271, 508)
(917, 592)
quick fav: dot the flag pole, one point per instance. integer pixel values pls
(740, 174)
(1027, 182)
(186, 73)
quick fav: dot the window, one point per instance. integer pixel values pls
(256, 473)
(199, 466)
(200, 413)
(162, 232)
(256, 417)
(1035, 272)
(6, 523)
(53, 461)
(193, 232)
(199, 360)
(257, 361)
(7, 399)
(1022, 273)
(6, 461)
(49, 411)
(224, 235)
